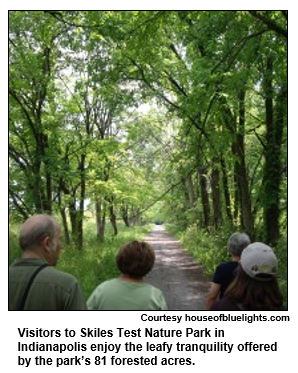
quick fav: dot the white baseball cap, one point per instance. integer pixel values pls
(259, 261)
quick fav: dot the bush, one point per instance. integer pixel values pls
(208, 249)
(281, 251)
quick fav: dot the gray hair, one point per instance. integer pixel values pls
(237, 242)
(35, 229)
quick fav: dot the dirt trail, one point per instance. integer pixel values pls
(181, 279)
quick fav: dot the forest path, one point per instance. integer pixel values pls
(181, 279)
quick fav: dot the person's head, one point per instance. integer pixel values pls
(259, 261)
(40, 235)
(237, 242)
(135, 259)
(255, 285)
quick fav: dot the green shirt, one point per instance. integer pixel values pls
(117, 294)
(51, 289)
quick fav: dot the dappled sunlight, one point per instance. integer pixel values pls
(158, 228)
(175, 272)
(159, 236)
(160, 241)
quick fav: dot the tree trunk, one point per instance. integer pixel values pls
(240, 170)
(217, 213)
(47, 203)
(237, 216)
(113, 219)
(73, 218)
(272, 168)
(136, 217)
(36, 191)
(190, 190)
(204, 196)
(65, 226)
(226, 189)
(124, 214)
(100, 220)
(80, 212)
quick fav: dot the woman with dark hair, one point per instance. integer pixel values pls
(255, 286)
(129, 291)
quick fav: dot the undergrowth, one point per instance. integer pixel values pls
(96, 262)
(210, 249)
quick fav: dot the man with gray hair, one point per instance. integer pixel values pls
(225, 272)
(33, 282)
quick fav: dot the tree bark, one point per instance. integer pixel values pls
(124, 214)
(217, 211)
(240, 169)
(65, 226)
(226, 189)
(100, 220)
(246, 211)
(113, 219)
(190, 190)
(273, 166)
(204, 196)
(80, 212)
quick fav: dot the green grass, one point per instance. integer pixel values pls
(96, 262)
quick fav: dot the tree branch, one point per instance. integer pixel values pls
(269, 23)
(19, 204)
(18, 157)
(24, 110)
(146, 81)
(175, 84)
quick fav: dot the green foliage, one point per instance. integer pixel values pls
(96, 262)
(155, 213)
(281, 251)
(209, 249)
(14, 249)
(79, 131)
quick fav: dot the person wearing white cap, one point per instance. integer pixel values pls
(255, 286)
(225, 272)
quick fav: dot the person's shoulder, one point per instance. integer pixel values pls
(227, 266)
(14, 263)
(230, 263)
(111, 283)
(59, 275)
(225, 304)
(156, 290)
(222, 266)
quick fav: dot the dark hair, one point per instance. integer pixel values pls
(254, 295)
(34, 229)
(135, 259)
